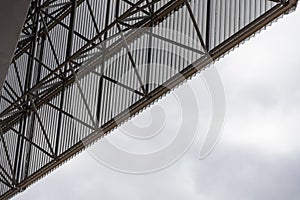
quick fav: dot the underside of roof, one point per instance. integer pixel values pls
(12, 16)
(81, 68)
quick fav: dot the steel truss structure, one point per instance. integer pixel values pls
(66, 88)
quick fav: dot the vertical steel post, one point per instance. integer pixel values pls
(208, 19)
(100, 89)
(68, 55)
(29, 81)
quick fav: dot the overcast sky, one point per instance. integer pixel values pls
(257, 157)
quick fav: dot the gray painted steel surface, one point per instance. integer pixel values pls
(12, 16)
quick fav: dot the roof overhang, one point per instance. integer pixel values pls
(12, 16)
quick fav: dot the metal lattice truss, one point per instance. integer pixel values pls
(76, 73)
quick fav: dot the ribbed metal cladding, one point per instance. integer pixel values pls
(47, 112)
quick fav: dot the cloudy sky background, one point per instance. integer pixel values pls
(257, 157)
